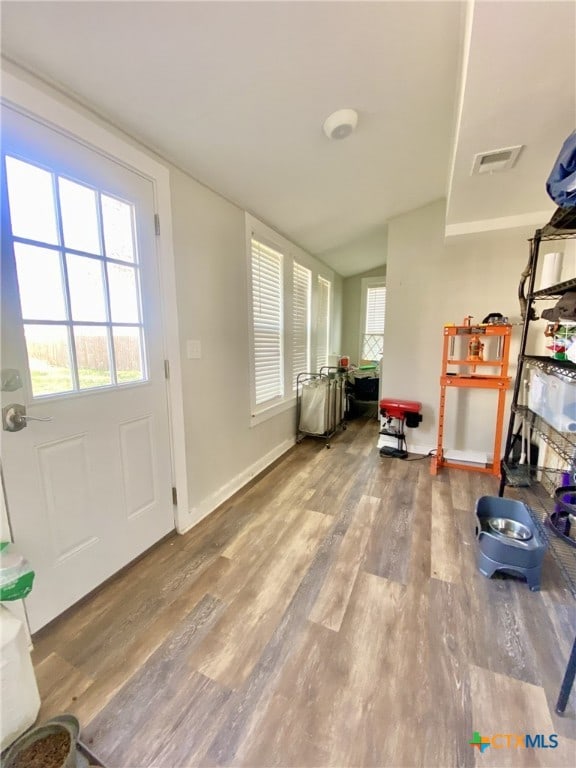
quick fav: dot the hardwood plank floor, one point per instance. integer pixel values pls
(332, 601)
(510, 706)
(230, 651)
(330, 615)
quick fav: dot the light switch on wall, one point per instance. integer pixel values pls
(193, 349)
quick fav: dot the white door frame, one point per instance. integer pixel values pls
(35, 101)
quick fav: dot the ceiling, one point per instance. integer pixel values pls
(235, 93)
(519, 88)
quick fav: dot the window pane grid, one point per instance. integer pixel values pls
(373, 346)
(31, 184)
(118, 229)
(128, 347)
(79, 215)
(88, 358)
(49, 358)
(41, 282)
(72, 251)
(105, 267)
(373, 337)
(92, 347)
(64, 270)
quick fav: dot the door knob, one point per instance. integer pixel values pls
(14, 417)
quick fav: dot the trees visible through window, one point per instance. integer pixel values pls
(79, 281)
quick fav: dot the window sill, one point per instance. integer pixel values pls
(273, 410)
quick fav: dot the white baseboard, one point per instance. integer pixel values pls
(210, 503)
(468, 457)
(463, 457)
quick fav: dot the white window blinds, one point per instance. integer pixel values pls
(323, 323)
(301, 297)
(267, 312)
(373, 338)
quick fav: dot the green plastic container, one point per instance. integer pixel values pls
(16, 574)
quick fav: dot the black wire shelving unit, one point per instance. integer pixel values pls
(535, 485)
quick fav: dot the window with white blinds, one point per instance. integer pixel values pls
(323, 322)
(267, 319)
(290, 308)
(301, 311)
(373, 332)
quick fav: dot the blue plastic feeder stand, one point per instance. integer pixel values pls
(498, 552)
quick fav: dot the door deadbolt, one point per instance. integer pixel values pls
(14, 417)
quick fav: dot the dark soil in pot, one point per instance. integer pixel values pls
(48, 752)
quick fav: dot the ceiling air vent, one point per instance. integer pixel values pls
(496, 160)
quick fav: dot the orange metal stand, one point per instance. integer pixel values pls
(453, 361)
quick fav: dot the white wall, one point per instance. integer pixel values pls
(360, 255)
(222, 450)
(351, 310)
(430, 283)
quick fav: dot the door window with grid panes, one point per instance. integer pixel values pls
(79, 281)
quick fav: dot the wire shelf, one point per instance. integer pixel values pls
(536, 485)
(561, 226)
(563, 443)
(550, 365)
(538, 500)
(550, 233)
(555, 290)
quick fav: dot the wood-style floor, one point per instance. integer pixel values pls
(331, 614)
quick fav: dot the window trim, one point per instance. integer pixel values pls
(316, 319)
(308, 343)
(279, 332)
(256, 230)
(291, 254)
(366, 283)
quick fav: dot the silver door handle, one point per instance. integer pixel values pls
(14, 417)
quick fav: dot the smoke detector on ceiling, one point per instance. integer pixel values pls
(340, 124)
(496, 160)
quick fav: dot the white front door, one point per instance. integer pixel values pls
(82, 345)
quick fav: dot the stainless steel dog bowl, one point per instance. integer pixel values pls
(509, 528)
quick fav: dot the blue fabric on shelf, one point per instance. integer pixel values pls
(561, 184)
